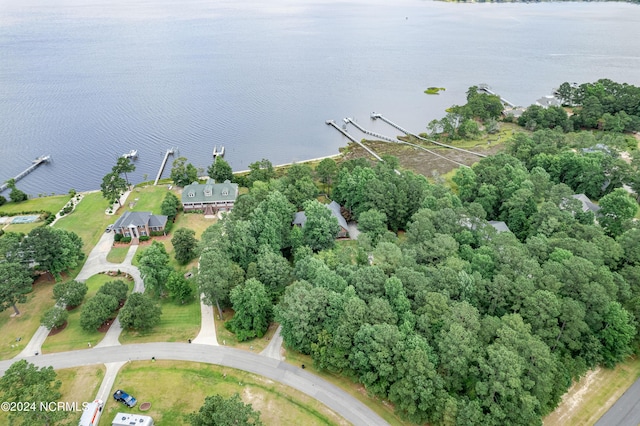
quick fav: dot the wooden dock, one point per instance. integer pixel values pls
(486, 89)
(36, 163)
(352, 139)
(169, 152)
(363, 130)
(375, 116)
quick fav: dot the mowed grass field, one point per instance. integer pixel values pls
(176, 389)
(178, 323)
(25, 325)
(73, 337)
(79, 385)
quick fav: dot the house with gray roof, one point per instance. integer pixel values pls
(548, 101)
(300, 219)
(139, 224)
(587, 204)
(210, 197)
(499, 226)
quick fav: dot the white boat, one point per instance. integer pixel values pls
(131, 154)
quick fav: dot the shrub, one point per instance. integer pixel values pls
(97, 310)
(126, 240)
(117, 289)
(54, 317)
(144, 238)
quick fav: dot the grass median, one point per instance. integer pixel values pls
(157, 383)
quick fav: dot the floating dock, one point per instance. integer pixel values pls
(169, 152)
(35, 164)
(375, 116)
(217, 153)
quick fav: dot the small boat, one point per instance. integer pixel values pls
(133, 154)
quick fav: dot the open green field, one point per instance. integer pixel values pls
(88, 220)
(51, 204)
(117, 254)
(24, 325)
(194, 221)
(73, 337)
(79, 385)
(178, 323)
(146, 199)
(591, 397)
(159, 383)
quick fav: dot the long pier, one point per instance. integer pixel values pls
(375, 135)
(352, 139)
(164, 163)
(485, 88)
(36, 163)
(375, 116)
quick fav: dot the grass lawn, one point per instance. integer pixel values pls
(227, 338)
(73, 336)
(25, 228)
(157, 383)
(88, 220)
(23, 326)
(118, 254)
(194, 221)
(382, 408)
(79, 385)
(591, 397)
(178, 323)
(51, 204)
(147, 198)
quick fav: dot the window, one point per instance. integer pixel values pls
(192, 193)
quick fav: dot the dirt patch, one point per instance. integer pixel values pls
(421, 161)
(145, 406)
(571, 402)
(56, 330)
(106, 325)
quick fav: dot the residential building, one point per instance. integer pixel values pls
(210, 197)
(137, 224)
(300, 219)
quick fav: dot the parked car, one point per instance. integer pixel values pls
(109, 228)
(125, 398)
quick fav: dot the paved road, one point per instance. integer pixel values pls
(333, 397)
(274, 348)
(626, 410)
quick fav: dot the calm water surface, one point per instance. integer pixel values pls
(87, 80)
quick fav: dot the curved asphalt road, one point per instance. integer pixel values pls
(333, 397)
(626, 410)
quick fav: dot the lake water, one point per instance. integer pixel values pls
(87, 80)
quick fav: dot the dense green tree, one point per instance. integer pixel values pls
(117, 289)
(261, 171)
(54, 317)
(170, 206)
(23, 382)
(3, 200)
(373, 222)
(616, 208)
(10, 247)
(327, 170)
(15, 283)
(274, 271)
(154, 267)
(301, 314)
(629, 243)
(53, 250)
(97, 310)
(179, 287)
(15, 195)
(70, 293)
(321, 228)
(271, 221)
(113, 186)
(220, 411)
(220, 170)
(617, 334)
(140, 312)
(217, 275)
(183, 173)
(185, 245)
(253, 308)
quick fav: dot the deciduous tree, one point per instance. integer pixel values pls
(97, 310)
(321, 227)
(140, 312)
(183, 173)
(220, 411)
(54, 317)
(253, 310)
(220, 170)
(15, 283)
(185, 245)
(154, 267)
(70, 293)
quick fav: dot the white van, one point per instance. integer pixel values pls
(91, 414)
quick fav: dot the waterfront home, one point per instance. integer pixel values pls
(210, 197)
(300, 219)
(138, 224)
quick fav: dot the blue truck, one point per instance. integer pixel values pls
(125, 398)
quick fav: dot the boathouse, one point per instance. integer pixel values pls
(210, 197)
